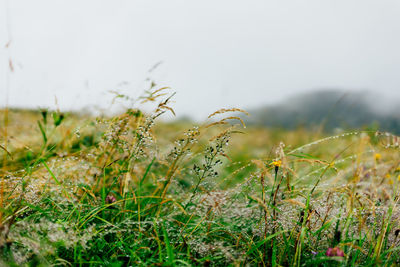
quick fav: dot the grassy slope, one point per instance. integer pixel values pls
(131, 190)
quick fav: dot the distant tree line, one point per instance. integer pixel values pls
(329, 110)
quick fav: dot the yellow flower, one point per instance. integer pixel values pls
(378, 156)
(390, 181)
(398, 178)
(277, 163)
(387, 175)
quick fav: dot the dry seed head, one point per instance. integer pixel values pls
(224, 110)
(235, 118)
(216, 123)
(224, 133)
(295, 203)
(153, 96)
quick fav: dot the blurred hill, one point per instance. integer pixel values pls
(329, 110)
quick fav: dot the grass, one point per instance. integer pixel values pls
(132, 190)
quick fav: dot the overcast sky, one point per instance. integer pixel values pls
(215, 53)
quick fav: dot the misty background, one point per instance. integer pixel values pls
(259, 55)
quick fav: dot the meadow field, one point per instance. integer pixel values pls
(135, 190)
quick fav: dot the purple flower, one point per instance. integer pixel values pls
(110, 199)
(332, 252)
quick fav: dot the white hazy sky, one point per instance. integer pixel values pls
(215, 53)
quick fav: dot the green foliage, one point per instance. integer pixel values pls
(133, 191)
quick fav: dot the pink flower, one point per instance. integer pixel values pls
(332, 252)
(110, 199)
